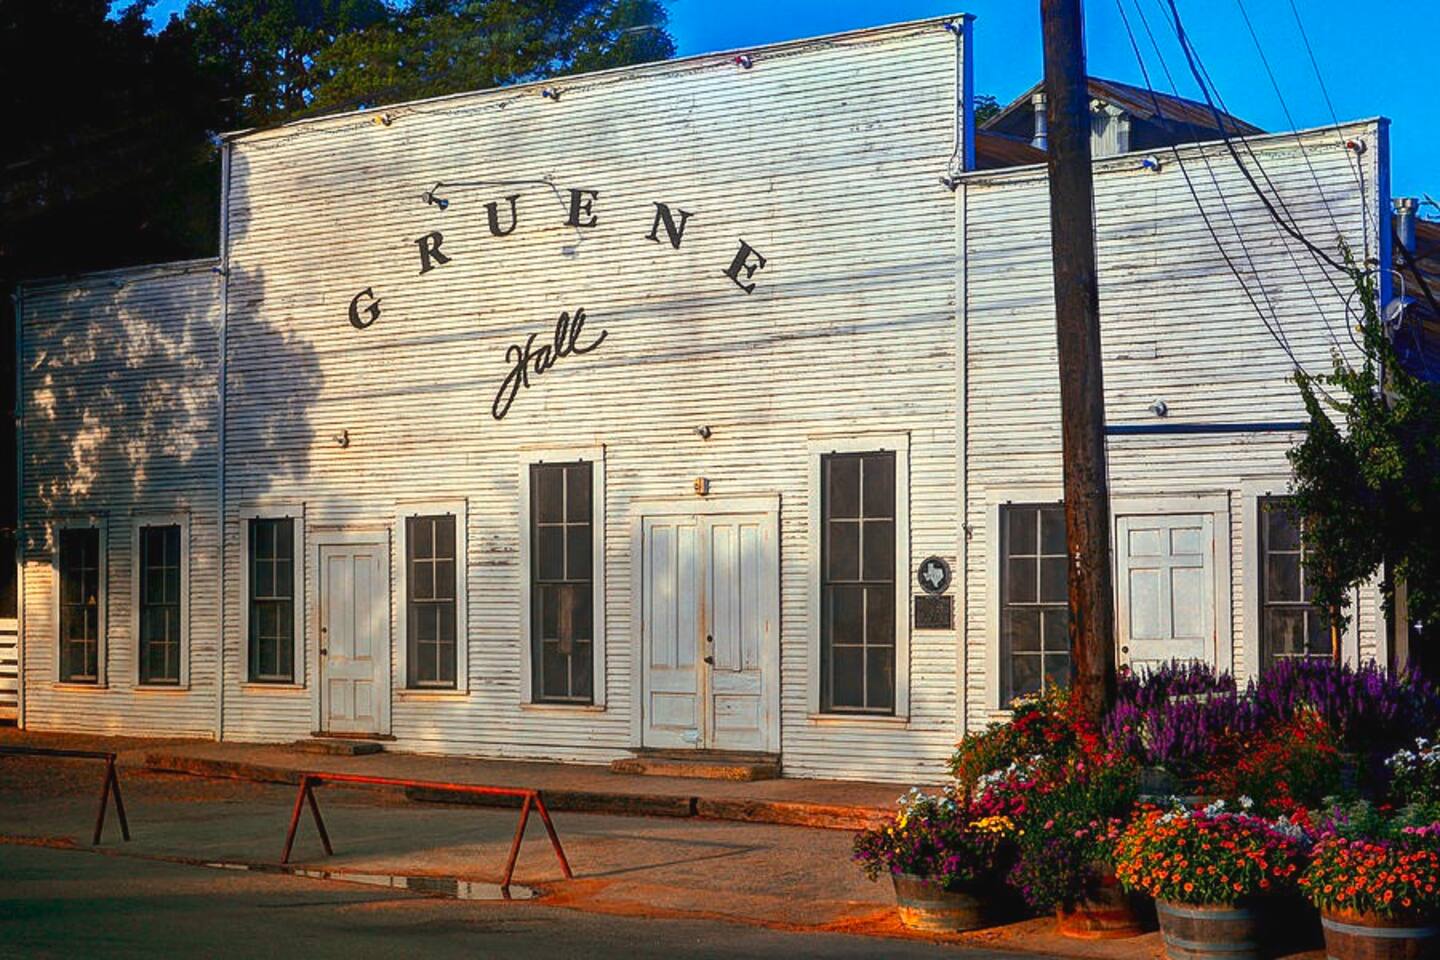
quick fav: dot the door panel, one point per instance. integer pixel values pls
(1167, 589)
(739, 623)
(710, 610)
(354, 638)
(671, 611)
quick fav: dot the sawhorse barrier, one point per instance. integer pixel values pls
(111, 784)
(529, 798)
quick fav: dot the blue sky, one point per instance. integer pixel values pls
(1372, 54)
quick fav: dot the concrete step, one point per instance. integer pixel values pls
(703, 765)
(338, 747)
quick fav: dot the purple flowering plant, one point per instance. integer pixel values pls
(939, 838)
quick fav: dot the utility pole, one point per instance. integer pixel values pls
(1082, 383)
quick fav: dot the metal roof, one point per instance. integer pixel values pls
(1138, 102)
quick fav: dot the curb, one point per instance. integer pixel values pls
(786, 812)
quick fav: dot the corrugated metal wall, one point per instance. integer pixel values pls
(824, 157)
(1175, 326)
(120, 422)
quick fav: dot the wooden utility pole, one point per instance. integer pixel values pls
(1082, 384)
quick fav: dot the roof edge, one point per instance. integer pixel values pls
(658, 66)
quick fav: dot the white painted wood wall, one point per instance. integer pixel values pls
(825, 157)
(1175, 326)
(120, 422)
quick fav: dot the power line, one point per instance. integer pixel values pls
(1276, 334)
(1190, 59)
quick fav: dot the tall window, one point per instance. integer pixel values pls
(272, 600)
(430, 601)
(1034, 606)
(857, 582)
(79, 604)
(562, 582)
(1291, 626)
(159, 605)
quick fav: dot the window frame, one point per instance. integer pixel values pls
(1003, 678)
(1251, 660)
(295, 513)
(139, 523)
(529, 689)
(99, 523)
(405, 510)
(817, 448)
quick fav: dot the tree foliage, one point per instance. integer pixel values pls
(436, 47)
(1367, 474)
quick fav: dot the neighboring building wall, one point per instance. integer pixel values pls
(1175, 326)
(119, 375)
(823, 156)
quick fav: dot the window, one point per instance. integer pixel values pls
(159, 604)
(81, 619)
(562, 589)
(857, 582)
(1291, 627)
(1034, 599)
(430, 588)
(272, 600)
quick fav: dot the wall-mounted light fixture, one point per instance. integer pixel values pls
(342, 439)
(1160, 408)
(550, 93)
(429, 197)
(1151, 163)
(744, 62)
(384, 119)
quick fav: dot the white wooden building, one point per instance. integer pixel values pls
(625, 411)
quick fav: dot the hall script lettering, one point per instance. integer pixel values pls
(525, 360)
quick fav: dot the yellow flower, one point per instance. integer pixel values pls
(994, 824)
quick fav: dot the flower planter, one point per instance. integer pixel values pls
(1356, 936)
(1210, 932)
(1108, 913)
(924, 905)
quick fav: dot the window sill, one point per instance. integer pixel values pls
(858, 720)
(564, 707)
(162, 689)
(418, 693)
(68, 687)
(273, 689)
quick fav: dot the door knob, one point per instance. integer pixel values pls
(710, 660)
(324, 652)
(1124, 649)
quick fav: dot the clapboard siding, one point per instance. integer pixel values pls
(9, 668)
(1174, 326)
(824, 157)
(120, 420)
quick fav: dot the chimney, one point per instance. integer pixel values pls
(1406, 209)
(1041, 139)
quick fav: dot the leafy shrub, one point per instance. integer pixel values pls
(939, 838)
(1207, 856)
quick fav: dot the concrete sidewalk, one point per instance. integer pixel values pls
(832, 804)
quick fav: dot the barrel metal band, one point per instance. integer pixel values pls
(1204, 947)
(1380, 933)
(1199, 914)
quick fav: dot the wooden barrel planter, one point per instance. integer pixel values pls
(1223, 931)
(1108, 913)
(1357, 936)
(925, 905)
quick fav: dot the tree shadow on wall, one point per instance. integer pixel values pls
(122, 393)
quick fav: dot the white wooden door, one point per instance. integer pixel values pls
(710, 616)
(354, 638)
(1166, 588)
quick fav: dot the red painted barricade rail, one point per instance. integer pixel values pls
(529, 798)
(111, 784)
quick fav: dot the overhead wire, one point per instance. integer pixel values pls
(1276, 333)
